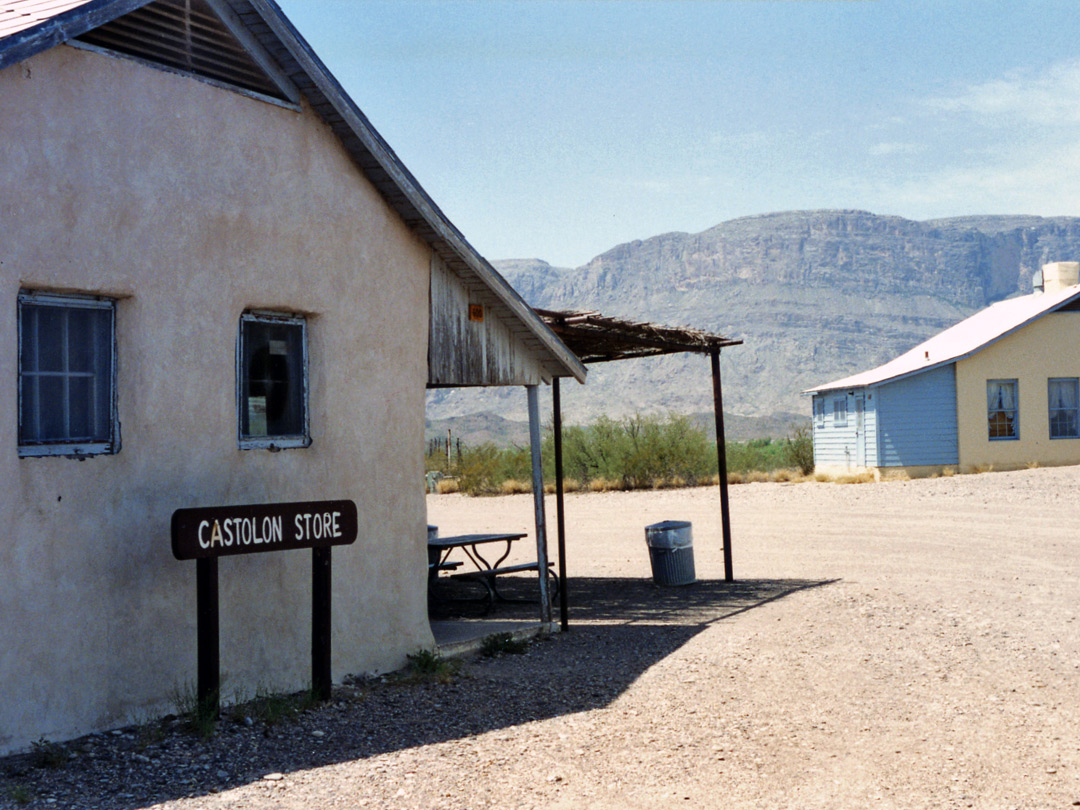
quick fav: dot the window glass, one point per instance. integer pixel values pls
(819, 411)
(1001, 409)
(839, 412)
(1064, 402)
(273, 381)
(66, 385)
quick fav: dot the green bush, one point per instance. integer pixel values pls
(757, 454)
(637, 452)
(799, 449)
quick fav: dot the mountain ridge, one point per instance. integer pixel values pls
(814, 295)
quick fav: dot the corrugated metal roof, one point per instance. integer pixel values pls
(57, 21)
(961, 340)
(18, 15)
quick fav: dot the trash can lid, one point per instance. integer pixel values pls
(669, 534)
(665, 525)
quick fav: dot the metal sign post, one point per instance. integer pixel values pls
(204, 535)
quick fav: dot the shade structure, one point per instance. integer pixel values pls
(598, 338)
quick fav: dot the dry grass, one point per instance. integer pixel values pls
(978, 469)
(675, 482)
(785, 475)
(948, 472)
(856, 478)
(1033, 465)
(448, 486)
(604, 485)
(512, 486)
(568, 485)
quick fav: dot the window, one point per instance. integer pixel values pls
(67, 379)
(839, 412)
(272, 372)
(1001, 409)
(1063, 395)
(819, 411)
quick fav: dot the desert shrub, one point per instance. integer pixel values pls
(639, 452)
(763, 455)
(799, 449)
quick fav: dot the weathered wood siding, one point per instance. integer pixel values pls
(917, 419)
(468, 352)
(847, 444)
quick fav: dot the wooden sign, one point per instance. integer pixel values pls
(219, 531)
(476, 313)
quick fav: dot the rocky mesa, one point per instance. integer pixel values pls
(814, 295)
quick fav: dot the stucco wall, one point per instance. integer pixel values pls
(1032, 355)
(191, 203)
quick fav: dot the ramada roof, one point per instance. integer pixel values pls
(961, 340)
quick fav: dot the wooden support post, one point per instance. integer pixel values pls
(320, 623)
(208, 690)
(721, 462)
(538, 502)
(560, 517)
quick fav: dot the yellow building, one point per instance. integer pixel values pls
(999, 390)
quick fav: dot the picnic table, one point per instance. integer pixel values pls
(440, 549)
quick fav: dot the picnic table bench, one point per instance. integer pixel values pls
(486, 573)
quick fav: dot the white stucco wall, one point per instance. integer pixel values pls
(191, 204)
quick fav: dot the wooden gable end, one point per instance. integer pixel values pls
(202, 38)
(468, 342)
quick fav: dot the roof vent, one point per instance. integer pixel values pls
(188, 36)
(1056, 276)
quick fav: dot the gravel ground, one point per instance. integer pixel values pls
(903, 644)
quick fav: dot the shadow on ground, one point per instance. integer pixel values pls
(619, 628)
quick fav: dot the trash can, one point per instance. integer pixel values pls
(671, 551)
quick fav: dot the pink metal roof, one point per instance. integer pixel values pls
(18, 15)
(961, 340)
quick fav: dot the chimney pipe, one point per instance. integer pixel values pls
(1056, 276)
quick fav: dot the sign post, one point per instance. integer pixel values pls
(204, 535)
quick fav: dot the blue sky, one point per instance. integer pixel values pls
(557, 130)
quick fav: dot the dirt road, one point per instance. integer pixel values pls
(905, 644)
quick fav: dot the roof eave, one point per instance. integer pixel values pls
(59, 29)
(419, 206)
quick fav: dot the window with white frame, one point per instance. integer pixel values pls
(67, 375)
(819, 411)
(1063, 397)
(1002, 412)
(272, 381)
(839, 412)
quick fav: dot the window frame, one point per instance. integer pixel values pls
(1015, 383)
(819, 411)
(839, 411)
(282, 442)
(1051, 410)
(53, 447)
